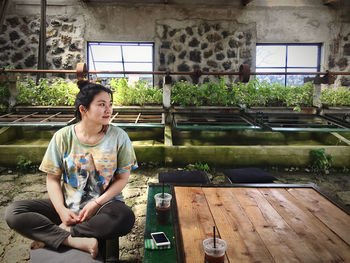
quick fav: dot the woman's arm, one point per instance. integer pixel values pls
(53, 185)
(115, 188)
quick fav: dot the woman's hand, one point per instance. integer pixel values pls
(88, 211)
(68, 217)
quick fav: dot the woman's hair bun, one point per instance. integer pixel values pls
(82, 83)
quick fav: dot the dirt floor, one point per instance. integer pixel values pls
(16, 186)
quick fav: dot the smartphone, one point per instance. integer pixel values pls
(160, 239)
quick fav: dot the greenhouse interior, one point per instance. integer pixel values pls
(250, 96)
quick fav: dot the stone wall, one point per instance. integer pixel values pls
(212, 46)
(206, 36)
(339, 55)
(65, 45)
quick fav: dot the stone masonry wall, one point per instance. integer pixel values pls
(65, 45)
(210, 46)
(339, 55)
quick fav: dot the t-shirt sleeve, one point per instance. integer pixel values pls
(126, 157)
(52, 161)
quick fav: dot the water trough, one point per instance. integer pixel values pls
(225, 137)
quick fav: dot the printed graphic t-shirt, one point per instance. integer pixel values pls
(88, 169)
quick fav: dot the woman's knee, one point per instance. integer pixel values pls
(11, 215)
(127, 220)
(124, 220)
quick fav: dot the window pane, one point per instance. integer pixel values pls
(137, 53)
(271, 78)
(299, 79)
(118, 56)
(138, 66)
(109, 66)
(302, 56)
(270, 56)
(105, 53)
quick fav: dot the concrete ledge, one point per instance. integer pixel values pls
(213, 155)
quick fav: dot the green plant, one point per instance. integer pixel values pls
(346, 170)
(320, 162)
(4, 96)
(140, 93)
(336, 97)
(202, 167)
(198, 166)
(24, 165)
(253, 93)
(47, 92)
(3, 108)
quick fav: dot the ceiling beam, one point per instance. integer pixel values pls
(245, 2)
(3, 7)
(328, 2)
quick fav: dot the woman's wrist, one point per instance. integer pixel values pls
(97, 203)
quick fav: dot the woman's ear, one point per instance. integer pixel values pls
(82, 109)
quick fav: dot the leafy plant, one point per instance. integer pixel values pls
(320, 162)
(336, 97)
(253, 93)
(198, 166)
(24, 165)
(202, 167)
(4, 90)
(4, 96)
(3, 108)
(47, 93)
(140, 93)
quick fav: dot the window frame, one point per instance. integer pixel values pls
(285, 68)
(121, 44)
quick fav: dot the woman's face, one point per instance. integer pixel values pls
(100, 109)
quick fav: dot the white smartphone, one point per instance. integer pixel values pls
(160, 239)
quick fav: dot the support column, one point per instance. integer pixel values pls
(167, 92)
(316, 97)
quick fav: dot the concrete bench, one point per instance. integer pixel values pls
(184, 177)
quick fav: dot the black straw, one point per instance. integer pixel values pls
(163, 190)
(214, 237)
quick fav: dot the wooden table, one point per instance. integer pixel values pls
(263, 224)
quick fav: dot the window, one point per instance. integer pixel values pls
(108, 56)
(287, 58)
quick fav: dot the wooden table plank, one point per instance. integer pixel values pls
(332, 216)
(281, 241)
(243, 242)
(329, 247)
(195, 220)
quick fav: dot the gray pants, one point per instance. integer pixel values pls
(38, 220)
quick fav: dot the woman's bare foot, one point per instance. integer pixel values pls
(63, 226)
(88, 244)
(37, 244)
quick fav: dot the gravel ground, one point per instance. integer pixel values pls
(15, 186)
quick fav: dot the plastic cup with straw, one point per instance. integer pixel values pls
(214, 249)
(163, 202)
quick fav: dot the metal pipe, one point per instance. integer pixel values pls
(34, 124)
(170, 73)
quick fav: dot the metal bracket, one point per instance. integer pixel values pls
(326, 79)
(167, 78)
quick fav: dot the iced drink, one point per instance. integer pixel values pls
(214, 254)
(163, 208)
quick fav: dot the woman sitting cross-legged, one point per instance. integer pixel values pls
(94, 159)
